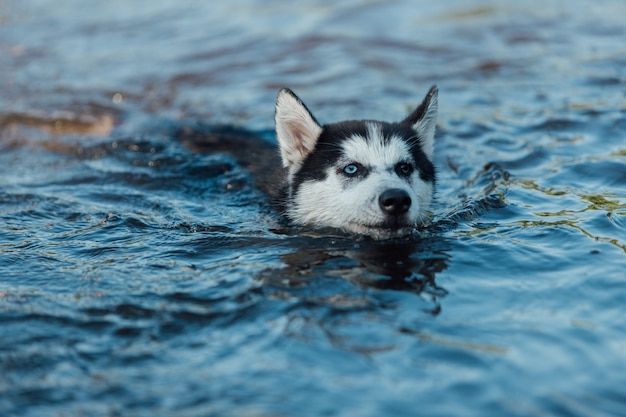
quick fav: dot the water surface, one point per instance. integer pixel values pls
(138, 277)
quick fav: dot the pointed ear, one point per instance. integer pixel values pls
(296, 128)
(423, 121)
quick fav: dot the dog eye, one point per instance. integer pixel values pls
(351, 169)
(404, 169)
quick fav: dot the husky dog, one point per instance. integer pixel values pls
(362, 176)
(366, 177)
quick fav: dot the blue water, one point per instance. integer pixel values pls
(140, 278)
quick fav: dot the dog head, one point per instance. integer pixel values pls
(367, 177)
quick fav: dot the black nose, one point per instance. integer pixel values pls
(395, 201)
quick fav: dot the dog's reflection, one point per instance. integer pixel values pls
(408, 265)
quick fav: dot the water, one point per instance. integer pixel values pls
(141, 278)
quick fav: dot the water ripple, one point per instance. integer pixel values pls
(135, 253)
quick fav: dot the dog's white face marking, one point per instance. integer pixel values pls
(352, 203)
(359, 176)
(373, 149)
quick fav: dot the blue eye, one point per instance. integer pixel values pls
(351, 169)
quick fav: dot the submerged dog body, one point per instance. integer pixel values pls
(366, 177)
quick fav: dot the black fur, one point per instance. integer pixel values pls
(328, 149)
(422, 163)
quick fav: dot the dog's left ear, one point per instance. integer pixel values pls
(296, 129)
(423, 121)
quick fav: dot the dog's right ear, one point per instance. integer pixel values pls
(296, 129)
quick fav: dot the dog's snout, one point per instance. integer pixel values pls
(395, 201)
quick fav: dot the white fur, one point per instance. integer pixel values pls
(352, 203)
(425, 126)
(296, 130)
(356, 208)
(373, 149)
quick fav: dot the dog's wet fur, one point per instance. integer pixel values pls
(361, 176)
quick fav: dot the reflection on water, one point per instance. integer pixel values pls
(135, 253)
(408, 266)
